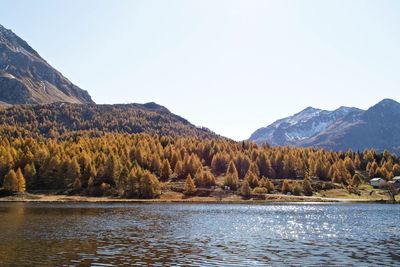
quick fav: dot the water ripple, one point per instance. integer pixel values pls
(199, 235)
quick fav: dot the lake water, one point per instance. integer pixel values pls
(38, 234)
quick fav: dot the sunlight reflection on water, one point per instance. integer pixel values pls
(199, 234)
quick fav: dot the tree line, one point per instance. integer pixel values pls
(137, 165)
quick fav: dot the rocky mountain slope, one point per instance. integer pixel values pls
(341, 129)
(26, 78)
(301, 126)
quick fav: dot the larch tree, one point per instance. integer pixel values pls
(11, 181)
(199, 178)
(156, 164)
(208, 178)
(190, 187)
(21, 181)
(242, 163)
(252, 179)
(179, 172)
(174, 159)
(297, 189)
(245, 189)
(77, 185)
(166, 171)
(73, 172)
(149, 186)
(348, 163)
(112, 170)
(232, 177)
(264, 166)
(219, 163)
(307, 188)
(30, 174)
(357, 179)
(133, 183)
(286, 188)
(396, 170)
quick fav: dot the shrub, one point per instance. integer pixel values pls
(259, 191)
(286, 188)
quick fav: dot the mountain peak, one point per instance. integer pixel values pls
(309, 109)
(4, 30)
(26, 78)
(13, 42)
(341, 129)
(343, 108)
(300, 126)
(388, 102)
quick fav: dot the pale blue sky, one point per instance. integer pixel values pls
(232, 66)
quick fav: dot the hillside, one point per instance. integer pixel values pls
(301, 126)
(340, 129)
(26, 78)
(65, 119)
(377, 128)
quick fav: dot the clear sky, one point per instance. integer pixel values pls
(232, 66)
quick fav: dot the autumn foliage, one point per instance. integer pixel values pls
(136, 165)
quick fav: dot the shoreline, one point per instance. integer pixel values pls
(273, 198)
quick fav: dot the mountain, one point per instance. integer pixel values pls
(61, 120)
(26, 78)
(341, 129)
(301, 126)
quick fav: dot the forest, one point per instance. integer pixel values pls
(59, 120)
(140, 165)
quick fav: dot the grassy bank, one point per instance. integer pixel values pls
(366, 194)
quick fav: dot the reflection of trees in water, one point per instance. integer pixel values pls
(169, 234)
(162, 235)
(31, 235)
(51, 235)
(11, 226)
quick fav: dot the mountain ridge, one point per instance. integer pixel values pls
(299, 126)
(352, 128)
(26, 78)
(59, 120)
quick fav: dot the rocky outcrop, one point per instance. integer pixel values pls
(26, 78)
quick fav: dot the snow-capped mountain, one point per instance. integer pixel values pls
(301, 126)
(378, 127)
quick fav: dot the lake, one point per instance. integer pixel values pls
(85, 234)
